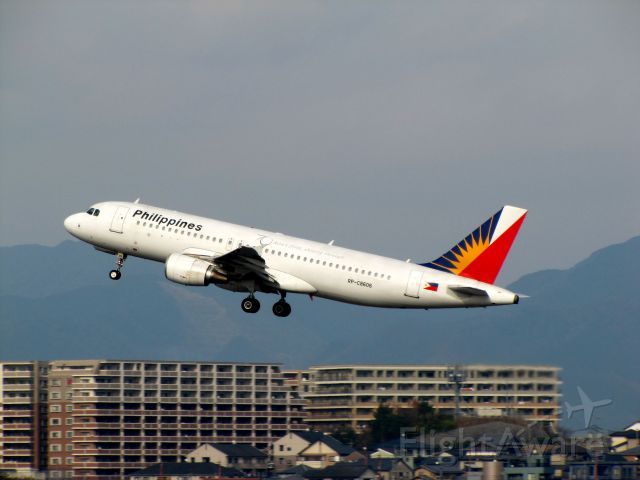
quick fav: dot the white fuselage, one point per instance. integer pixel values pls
(300, 266)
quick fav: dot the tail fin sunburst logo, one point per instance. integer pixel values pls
(480, 254)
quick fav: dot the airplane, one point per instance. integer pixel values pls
(201, 251)
(587, 406)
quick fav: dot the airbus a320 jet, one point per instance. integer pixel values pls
(201, 251)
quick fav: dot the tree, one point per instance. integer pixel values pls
(387, 424)
(345, 434)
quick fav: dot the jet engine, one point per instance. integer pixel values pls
(188, 270)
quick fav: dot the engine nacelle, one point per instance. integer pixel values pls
(188, 270)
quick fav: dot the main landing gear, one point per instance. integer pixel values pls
(280, 309)
(250, 304)
(115, 274)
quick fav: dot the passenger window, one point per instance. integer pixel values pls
(349, 268)
(286, 254)
(324, 263)
(96, 212)
(305, 259)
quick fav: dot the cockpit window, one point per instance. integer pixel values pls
(96, 212)
(90, 211)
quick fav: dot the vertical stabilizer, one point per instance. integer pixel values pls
(480, 254)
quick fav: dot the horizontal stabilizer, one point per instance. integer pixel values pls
(476, 292)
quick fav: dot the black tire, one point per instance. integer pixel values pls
(250, 305)
(114, 275)
(281, 309)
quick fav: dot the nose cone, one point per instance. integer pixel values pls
(71, 224)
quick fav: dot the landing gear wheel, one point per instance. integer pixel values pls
(281, 309)
(115, 274)
(250, 305)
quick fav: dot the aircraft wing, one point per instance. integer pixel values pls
(245, 262)
(476, 292)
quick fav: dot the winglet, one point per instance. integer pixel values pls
(480, 254)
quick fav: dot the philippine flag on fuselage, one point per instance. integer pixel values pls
(432, 287)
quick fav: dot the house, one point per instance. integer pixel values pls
(342, 471)
(438, 472)
(234, 455)
(624, 440)
(314, 449)
(327, 451)
(607, 469)
(181, 471)
(390, 468)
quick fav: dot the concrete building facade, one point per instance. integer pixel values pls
(23, 416)
(109, 418)
(340, 395)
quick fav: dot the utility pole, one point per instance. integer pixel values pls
(457, 376)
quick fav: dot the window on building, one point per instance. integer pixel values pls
(55, 408)
(55, 421)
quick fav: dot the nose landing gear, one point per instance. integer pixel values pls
(115, 274)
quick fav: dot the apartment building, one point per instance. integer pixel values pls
(22, 416)
(349, 394)
(109, 418)
(297, 380)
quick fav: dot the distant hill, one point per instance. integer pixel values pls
(57, 302)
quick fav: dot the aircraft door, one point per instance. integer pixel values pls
(118, 219)
(413, 284)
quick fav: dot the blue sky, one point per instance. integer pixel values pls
(393, 127)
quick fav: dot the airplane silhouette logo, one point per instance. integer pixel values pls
(587, 406)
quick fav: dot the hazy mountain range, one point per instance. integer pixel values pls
(58, 303)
